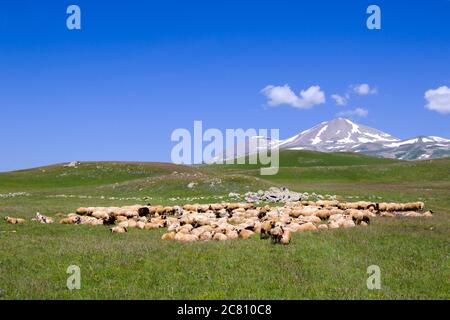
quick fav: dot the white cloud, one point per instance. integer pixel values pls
(438, 99)
(340, 100)
(358, 112)
(279, 95)
(363, 89)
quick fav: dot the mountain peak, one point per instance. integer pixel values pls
(335, 133)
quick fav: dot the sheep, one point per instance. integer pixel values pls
(83, 211)
(313, 219)
(144, 211)
(360, 216)
(216, 206)
(245, 234)
(43, 219)
(428, 214)
(205, 236)
(20, 221)
(347, 223)
(168, 235)
(233, 234)
(306, 227)
(185, 237)
(322, 227)
(286, 237)
(140, 225)
(186, 228)
(132, 223)
(99, 214)
(219, 237)
(11, 220)
(276, 234)
(151, 226)
(121, 219)
(333, 225)
(71, 220)
(266, 226)
(411, 206)
(323, 214)
(119, 229)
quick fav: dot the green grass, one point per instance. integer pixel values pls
(413, 254)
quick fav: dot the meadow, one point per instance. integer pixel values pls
(412, 253)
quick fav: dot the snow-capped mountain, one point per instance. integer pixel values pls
(344, 135)
(338, 135)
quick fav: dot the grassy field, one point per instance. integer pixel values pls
(413, 254)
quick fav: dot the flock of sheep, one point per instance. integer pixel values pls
(227, 221)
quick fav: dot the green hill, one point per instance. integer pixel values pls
(412, 253)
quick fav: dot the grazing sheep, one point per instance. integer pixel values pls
(245, 234)
(169, 235)
(428, 213)
(233, 234)
(121, 219)
(71, 220)
(152, 226)
(132, 223)
(220, 237)
(186, 228)
(313, 219)
(266, 226)
(286, 237)
(185, 237)
(360, 216)
(140, 225)
(119, 229)
(144, 211)
(322, 227)
(323, 214)
(100, 215)
(11, 220)
(43, 219)
(306, 227)
(276, 234)
(83, 211)
(347, 223)
(205, 236)
(333, 225)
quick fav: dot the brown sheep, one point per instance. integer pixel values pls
(140, 225)
(168, 235)
(286, 237)
(233, 234)
(266, 226)
(205, 236)
(119, 229)
(276, 234)
(11, 220)
(220, 237)
(185, 237)
(306, 227)
(245, 234)
(360, 216)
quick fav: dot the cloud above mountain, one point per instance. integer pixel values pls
(279, 95)
(340, 100)
(363, 89)
(358, 112)
(438, 99)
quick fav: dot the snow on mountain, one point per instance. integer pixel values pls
(338, 134)
(343, 135)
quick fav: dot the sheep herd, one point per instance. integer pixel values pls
(228, 221)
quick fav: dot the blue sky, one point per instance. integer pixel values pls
(137, 70)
